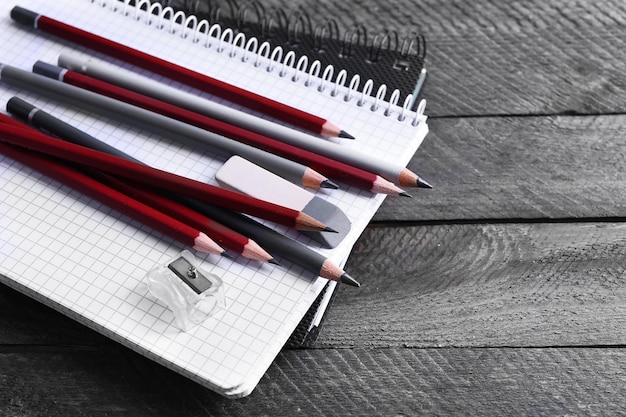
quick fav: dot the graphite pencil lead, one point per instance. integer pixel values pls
(226, 255)
(329, 184)
(405, 194)
(345, 135)
(312, 178)
(383, 186)
(347, 279)
(329, 229)
(309, 223)
(273, 261)
(423, 184)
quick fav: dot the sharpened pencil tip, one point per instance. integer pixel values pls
(405, 194)
(423, 184)
(227, 255)
(329, 229)
(345, 135)
(328, 184)
(347, 279)
(273, 261)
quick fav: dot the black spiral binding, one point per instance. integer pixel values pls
(384, 58)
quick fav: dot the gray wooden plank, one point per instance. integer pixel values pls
(24, 321)
(561, 167)
(534, 58)
(338, 382)
(84, 381)
(505, 57)
(536, 284)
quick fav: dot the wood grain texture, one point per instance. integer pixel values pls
(506, 58)
(24, 322)
(499, 292)
(483, 285)
(338, 382)
(562, 167)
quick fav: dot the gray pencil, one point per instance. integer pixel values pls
(153, 122)
(114, 75)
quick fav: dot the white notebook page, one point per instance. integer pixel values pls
(89, 261)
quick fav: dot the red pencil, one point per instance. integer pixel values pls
(6, 120)
(329, 167)
(223, 235)
(153, 177)
(121, 202)
(181, 74)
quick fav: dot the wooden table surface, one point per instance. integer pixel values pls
(501, 292)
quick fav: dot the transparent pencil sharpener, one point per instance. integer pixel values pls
(191, 293)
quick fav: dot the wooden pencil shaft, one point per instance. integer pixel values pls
(147, 175)
(386, 169)
(272, 241)
(147, 120)
(168, 69)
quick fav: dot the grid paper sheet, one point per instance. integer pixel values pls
(89, 262)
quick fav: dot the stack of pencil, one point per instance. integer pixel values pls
(109, 179)
(205, 217)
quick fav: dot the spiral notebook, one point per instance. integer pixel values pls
(385, 57)
(90, 262)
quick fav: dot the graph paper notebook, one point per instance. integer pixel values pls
(90, 262)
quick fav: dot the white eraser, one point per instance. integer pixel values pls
(247, 178)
